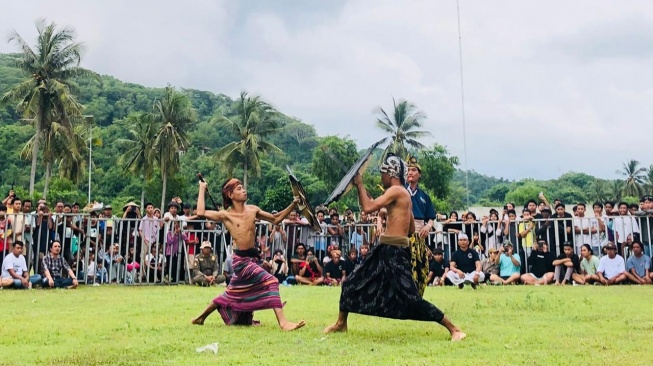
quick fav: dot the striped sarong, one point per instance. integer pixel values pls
(251, 288)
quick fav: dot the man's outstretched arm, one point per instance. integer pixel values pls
(201, 209)
(277, 218)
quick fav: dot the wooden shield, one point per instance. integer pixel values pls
(304, 205)
(347, 181)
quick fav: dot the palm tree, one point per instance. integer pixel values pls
(46, 96)
(255, 120)
(402, 127)
(617, 189)
(648, 187)
(598, 190)
(174, 116)
(635, 177)
(139, 155)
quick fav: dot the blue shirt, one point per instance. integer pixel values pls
(640, 264)
(422, 205)
(506, 266)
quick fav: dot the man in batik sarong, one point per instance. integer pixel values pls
(383, 285)
(251, 288)
(424, 215)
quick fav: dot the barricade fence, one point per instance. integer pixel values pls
(152, 250)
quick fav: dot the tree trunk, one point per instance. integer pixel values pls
(245, 175)
(48, 173)
(163, 193)
(35, 155)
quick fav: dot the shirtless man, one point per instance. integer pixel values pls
(251, 287)
(383, 285)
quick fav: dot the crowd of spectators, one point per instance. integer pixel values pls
(539, 244)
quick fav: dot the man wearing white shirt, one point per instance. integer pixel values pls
(624, 226)
(582, 228)
(612, 267)
(14, 270)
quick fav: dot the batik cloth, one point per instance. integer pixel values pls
(383, 286)
(419, 262)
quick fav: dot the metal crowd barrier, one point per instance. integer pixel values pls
(105, 250)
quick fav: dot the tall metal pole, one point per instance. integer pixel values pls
(90, 152)
(462, 95)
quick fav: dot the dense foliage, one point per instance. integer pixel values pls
(319, 161)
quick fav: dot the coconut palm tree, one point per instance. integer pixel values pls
(598, 191)
(402, 127)
(253, 122)
(634, 178)
(139, 155)
(174, 116)
(648, 186)
(46, 96)
(617, 190)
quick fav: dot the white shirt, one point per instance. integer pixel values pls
(12, 262)
(90, 269)
(625, 226)
(611, 267)
(583, 223)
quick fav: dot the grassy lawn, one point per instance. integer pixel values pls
(511, 325)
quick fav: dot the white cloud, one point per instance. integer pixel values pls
(550, 86)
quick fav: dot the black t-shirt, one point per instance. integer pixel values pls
(574, 260)
(349, 266)
(465, 260)
(334, 270)
(541, 263)
(438, 267)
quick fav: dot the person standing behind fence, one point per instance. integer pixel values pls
(6, 232)
(149, 229)
(278, 238)
(335, 230)
(564, 225)
(624, 226)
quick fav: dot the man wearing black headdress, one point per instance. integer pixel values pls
(383, 284)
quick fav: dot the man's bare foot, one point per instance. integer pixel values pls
(288, 326)
(336, 328)
(458, 336)
(197, 321)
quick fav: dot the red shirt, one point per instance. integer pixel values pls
(5, 234)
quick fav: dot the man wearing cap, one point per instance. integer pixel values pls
(509, 264)
(612, 269)
(465, 265)
(205, 267)
(568, 262)
(424, 215)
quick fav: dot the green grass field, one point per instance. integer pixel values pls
(511, 325)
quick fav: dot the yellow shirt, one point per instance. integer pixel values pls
(529, 239)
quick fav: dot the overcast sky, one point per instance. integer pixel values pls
(550, 87)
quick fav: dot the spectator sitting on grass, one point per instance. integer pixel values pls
(541, 262)
(589, 266)
(509, 264)
(279, 266)
(53, 265)
(638, 265)
(465, 266)
(14, 269)
(612, 268)
(117, 269)
(351, 261)
(365, 250)
(490, 267)
(438, 268)
(298, 258)
(334, 271)
(228, 269)
(566, 264)
(310, 271)
(330, 249)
